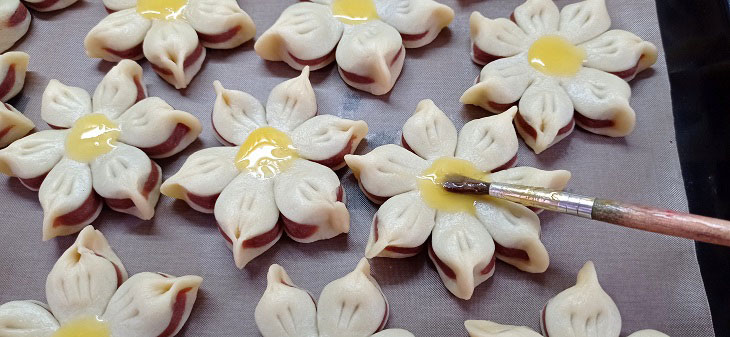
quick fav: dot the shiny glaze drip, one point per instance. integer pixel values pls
(265, 153)
(91, 136)
(162, 9)
(555, 56)
(431, 180)
(84, 327)
(354, 12)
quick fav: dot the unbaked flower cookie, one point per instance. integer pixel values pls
(564, 67)
(171, 34)
(352, 306)
(89, 294)
(584, 310)
(100, 150)
(466, 232)
(367, 38)
(276, 175)
(13, 124)
(15, 19)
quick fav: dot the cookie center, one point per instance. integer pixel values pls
(353, 12)
(91, 136)
(431, 180)
(555, 56)
(266, 152)
(84, 327)
(162, 9)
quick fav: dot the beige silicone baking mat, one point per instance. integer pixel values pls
(654, 280)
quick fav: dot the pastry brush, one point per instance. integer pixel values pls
(690, 226)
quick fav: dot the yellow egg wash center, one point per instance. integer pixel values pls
(91, 136)
(84, 327)
(431, 180)
(554, 55)
(266, 152)
(353, 12)
(162, 9)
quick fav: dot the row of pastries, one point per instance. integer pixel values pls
(545, 71)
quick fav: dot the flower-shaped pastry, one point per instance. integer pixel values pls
(15, 19)
(13, 124)
(98, 149)
(278, 174)
(564, 67)
(466, 232)
(366, 37)
(352, 306)
(584, 310)
(171, 34)
(88, 294)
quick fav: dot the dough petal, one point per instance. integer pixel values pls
(620, 52)
(353, 305)
(326, 139)
(13, 66)
(68, 199)
(203, 177)
(492, 329)
(418, 21)
(463, 252)
(530, 176)
(493, 39)
(545, 114)
(84, 278)
(128, 180)
(119, 35)
(394, 333)
(235, 115)
(118, 5)
(500, 84)
(400, 227)
(26, 319)
(14, 23)
(248, 218)
(152, 304)
(429, 132)
(43, 6)
(305, 34)
(582, 21)
(156, 128)
(221, 24)
(489, 143)
(370, 56)
(33, 156)
(601, 102)
(291, 103)
(120, 89)
(13, 125)
(285, 310)
(537, 17)
(62, 105)
(582, 310)
(516, 233)
(386, 171)
(311, 201)
(174, 50)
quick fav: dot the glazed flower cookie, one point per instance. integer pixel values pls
(88, 294)
(13, 124)
(171, 34)
(101, 149)
(366, 37)
(277, 173)
(15, 19)
(581, 311)
(352, 306)
(467, 232)
(564, 67)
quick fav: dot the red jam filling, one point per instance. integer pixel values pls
(297, 230)
(130, 53)
(190, 60)
(147, 188)
(360, 79)
(533, 133)
(180, 131)
(482, 56)
(593, 123)
(228, 238)
(140, 89)
(413, 37)
(43, 4)
(440, 264)
(263, 239)
(8, 82)
(116, 269)
(178, 311)
(490, 266)
(20, 14)
(629, 72)
(33, 183)
(337, 159)
(203, 201)
(5, 131)
(219, 38)
(499, 106)
(81, 214)
(312, 62)
(511, 252)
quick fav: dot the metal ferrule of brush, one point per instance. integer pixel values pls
(552, 200)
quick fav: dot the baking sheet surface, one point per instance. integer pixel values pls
(653, 279)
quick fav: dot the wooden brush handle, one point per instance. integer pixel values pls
(695, 227)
